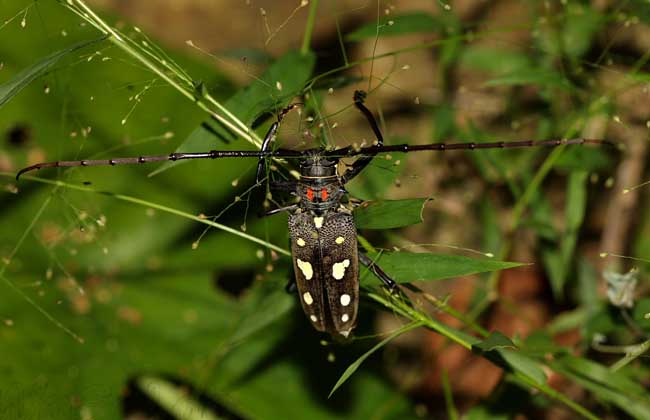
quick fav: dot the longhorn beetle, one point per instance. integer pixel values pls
(322, 230)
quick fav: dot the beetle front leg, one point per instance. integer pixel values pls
(279, 210)
(268, 139)
(360, 164)
(377, 271)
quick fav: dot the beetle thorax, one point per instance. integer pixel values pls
(319, 187)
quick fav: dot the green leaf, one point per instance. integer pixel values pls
(271, 304)
(11, 88)
(582, 24)
(290, 72)
(495, 340)
(417, 22)
(520, 362)
(611, 386)
(405, 267)
(497, 343)
(357, 363)
(576, 200)
(389, 214)
(559, 262)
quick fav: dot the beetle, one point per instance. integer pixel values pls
(322, 231)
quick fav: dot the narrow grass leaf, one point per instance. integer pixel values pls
(176, 400)
(495, 341)
(599, 373)
(406, 267)
(11, 88)
(389, 214)
(262, 312)
(606, 385)
(520, 362)
(357, 363)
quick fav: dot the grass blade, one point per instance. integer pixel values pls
(357, 363)
(18, 82)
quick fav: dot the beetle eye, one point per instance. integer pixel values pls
(310, 194)
(323, 194)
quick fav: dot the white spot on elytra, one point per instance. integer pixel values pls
(307, 298)
(300, 242)
(345, 299)
(318, 221)
(345, 317)
(313, 318)
(340, 240)
(345, 333)
(338, 269)
(306, 269)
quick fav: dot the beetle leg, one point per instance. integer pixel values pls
(291, 286)
(280, 210)
(360, 164)
(268, 139)
(381, 274)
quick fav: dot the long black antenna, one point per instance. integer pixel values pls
(350, 151)
(286, 153)
(212, 154)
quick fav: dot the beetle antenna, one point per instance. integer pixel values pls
(407, 148)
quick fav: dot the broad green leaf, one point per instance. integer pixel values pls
(357, 363)
(397, 25)
(389, 214)
(495, 341)
(270, 304)
(11, 88)
(406, 267)
(283, 80)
